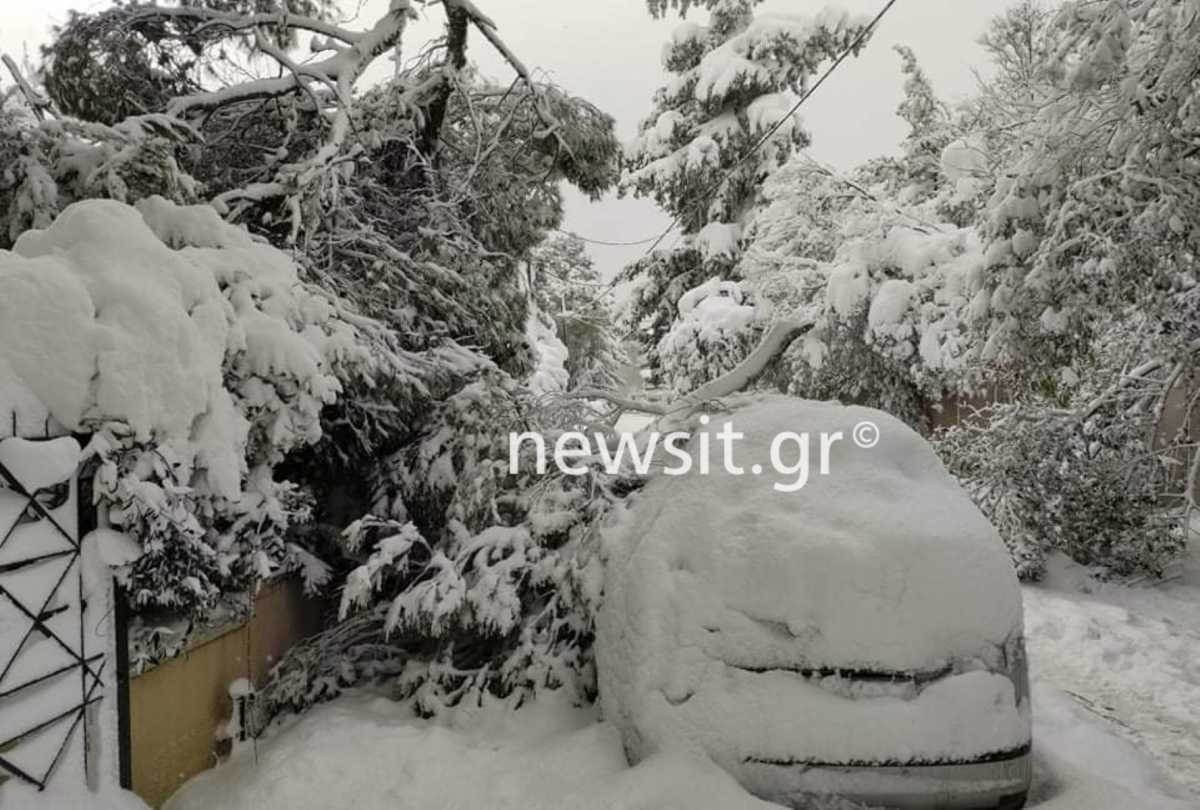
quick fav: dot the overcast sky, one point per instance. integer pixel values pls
(608, 51)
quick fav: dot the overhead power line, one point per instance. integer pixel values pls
(604, 242)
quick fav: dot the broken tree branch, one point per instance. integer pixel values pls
(775, 342)
(37, 102)
(488, 28)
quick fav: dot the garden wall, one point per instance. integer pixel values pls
(176, 708)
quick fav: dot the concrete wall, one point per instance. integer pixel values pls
(176, 708)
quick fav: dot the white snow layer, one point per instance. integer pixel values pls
(964, 159)
(40, 464)
(373, 754)
(719, 588)
(61, 795)
(98, 295)
(1128, 654)
(714, 307)
(718, 239)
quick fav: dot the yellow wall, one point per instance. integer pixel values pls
(176, 708)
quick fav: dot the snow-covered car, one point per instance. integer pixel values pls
(860, 636)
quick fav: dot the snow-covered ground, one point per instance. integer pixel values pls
(1124, 740)
(1129, 656)
(370, 753)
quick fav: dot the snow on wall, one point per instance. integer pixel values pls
(719, 587)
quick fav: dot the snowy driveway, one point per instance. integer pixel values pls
(1128, 656)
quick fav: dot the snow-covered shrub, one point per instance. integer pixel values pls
(198, 360)
(1093, 490)
(836, 364)
(892, 304)
(885, 261)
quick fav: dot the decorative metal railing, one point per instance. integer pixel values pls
(51, 660)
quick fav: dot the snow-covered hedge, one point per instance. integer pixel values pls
(197, 359)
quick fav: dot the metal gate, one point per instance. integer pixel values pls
(51, 658)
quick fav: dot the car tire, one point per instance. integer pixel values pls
(1013, 802)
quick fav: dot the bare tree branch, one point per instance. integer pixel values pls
(242, 22)
(488, 28)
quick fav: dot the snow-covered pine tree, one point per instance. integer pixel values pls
(929, 129)
(1068, 289)
(710, 142)
(568, 289)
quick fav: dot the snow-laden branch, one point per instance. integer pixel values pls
(336, 74)
(36, 101)
(1134, 376)
(623, 402)
(775, 342)
(781, 335)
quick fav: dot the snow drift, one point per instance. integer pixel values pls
(549, 755)
(736, 616)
